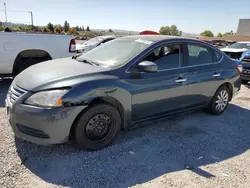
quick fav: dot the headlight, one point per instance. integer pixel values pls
(46, 98)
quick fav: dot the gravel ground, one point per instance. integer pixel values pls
(192, 150)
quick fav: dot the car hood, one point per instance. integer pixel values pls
(233, 50)
(54, 70)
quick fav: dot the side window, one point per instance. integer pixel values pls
(198, 55)
(217, 56)
(167, 56)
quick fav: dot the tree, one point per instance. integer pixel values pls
(58, 29)
(50, 27)
(219, 35)
(27, 28)
(72, 31)
(66, 26)
(77, 28)
(207, 33)
(1, 28)
(87, 29)
(82, 28)
(110, 30)
(228, 33)
(45, 30)
(172, 30)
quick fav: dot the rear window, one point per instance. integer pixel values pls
(198, 55)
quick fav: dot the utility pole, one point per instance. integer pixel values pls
(32, 24)
(5, 13)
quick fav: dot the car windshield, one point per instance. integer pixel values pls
(116, 52)
(93, 41)
(240, 45)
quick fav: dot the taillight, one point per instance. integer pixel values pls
(239, 67)
(72, 45)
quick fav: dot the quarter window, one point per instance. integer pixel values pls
(167, 56)
(217, 56)
(198, 55)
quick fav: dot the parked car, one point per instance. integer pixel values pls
(92, 43)
(220, 43)
(245, 60)
(236, 49)
(21, 50)
(120, 83)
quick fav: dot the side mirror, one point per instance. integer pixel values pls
(147, 66)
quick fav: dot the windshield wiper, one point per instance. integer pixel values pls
(88, 62)
(76, 56)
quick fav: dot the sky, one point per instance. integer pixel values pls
(190, 16)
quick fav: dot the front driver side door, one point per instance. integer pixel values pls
(163, 91)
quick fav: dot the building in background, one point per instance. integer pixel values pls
(243, 27)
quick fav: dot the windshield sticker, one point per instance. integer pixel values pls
(144, 41)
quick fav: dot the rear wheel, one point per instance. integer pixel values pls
(219, 101)
(98, 127)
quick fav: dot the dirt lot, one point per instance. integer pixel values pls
(192, 150)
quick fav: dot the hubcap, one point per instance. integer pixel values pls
(98, 127)
(222, 100)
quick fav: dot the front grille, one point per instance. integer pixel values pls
(32, 132)
(14, 93)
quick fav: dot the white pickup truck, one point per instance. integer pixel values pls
(21, 50)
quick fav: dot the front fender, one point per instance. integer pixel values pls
(86, 92)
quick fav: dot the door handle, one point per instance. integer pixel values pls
(181, 80)
(215, 75)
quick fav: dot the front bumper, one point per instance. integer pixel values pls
(40, 125)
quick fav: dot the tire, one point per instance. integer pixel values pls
(98, 127)
(218, 106)
(24, 64)
(244, 81)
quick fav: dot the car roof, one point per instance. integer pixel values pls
(107, 36)
(243, 42)
(156, 38)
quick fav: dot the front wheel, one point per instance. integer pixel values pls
(98, 127)
(219, 101)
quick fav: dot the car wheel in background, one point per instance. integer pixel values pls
(219, 101)
(97, 127)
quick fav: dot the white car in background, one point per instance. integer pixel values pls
(236, 50)
(18, 51)
(92, 43)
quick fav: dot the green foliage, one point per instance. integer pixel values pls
(207, 33)
(219, 35)
(50, 27)
(228, 33)
(172, 30)
(1, 28)
(87, 29)
(110, 30)
(77, 28)
(82, 29)
(58, 29)
(66, 26)
(45, 30)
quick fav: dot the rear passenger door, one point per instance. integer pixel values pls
(204, 72)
